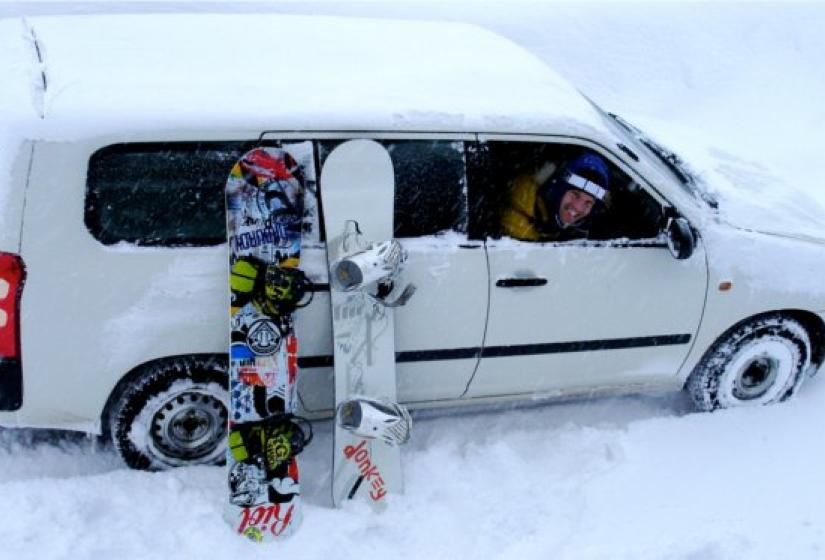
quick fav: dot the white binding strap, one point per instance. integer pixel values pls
(589, 187)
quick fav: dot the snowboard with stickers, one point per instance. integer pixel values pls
(264, 203)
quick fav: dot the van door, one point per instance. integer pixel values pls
(610, 308)
(439, 331)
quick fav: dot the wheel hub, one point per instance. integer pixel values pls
(756, 377)
(189, 425)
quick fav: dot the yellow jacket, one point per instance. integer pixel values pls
(518, 220)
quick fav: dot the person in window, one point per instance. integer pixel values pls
(557, 204)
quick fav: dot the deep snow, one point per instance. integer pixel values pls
(636, 477)
(614, 478)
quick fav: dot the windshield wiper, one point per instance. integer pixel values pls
(673, 162)
(624, 124)
(670, 159)
(677, 166)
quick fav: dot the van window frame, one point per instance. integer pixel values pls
(480, 187)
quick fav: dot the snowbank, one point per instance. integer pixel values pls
(629, 478)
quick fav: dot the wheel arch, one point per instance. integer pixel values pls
(815, 326)
(214, 361)
(811, 322)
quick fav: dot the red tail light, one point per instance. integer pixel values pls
(12, 277)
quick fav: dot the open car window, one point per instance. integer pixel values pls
(517, 174)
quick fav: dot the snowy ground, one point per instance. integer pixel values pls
(611, 478)
(615, 478)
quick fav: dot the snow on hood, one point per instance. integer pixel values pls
(755, 198)
(751, 195)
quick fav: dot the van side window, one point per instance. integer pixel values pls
(430, 185)
(164, 194)
(170, 194)
(526, 195)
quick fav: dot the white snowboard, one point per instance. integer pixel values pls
(357, 190)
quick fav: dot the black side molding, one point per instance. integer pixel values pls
(584, 346)
(516, 350)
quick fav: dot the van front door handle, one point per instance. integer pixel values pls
(520, 282)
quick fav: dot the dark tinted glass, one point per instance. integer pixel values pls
(430, 185)
(164, 194)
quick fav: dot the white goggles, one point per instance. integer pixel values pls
(589, 187)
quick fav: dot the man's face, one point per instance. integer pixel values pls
(575, 206)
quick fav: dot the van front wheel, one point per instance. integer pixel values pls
(759, 362)
(174, 414)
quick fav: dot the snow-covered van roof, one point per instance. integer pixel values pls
(107, 74)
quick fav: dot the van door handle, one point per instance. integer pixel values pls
(520, 282)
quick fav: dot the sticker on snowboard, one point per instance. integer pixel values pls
(264, 202)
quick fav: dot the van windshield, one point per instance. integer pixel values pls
(660, 156)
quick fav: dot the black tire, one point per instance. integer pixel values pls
(759, 362)
(174, 414)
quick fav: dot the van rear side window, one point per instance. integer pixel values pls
(160, 194)
(430, 185)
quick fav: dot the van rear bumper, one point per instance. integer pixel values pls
(11, 384)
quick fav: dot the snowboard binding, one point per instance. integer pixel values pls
(371, 267)
(285, 290)
(271, 442)
(373, 419)
(275, 290)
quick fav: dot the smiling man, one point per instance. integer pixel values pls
(559, 208)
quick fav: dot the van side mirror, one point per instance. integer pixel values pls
(680, 238)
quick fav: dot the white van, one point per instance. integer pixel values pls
(116, 138)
